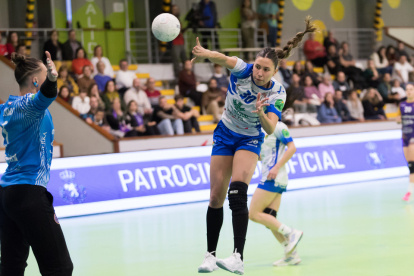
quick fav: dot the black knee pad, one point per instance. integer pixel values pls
(238, 196)
(411, 166)
(270, 212)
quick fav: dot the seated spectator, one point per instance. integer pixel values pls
(94, 107)
(298, 69)
(311, 73)
(221, 79)
(21, 50)
(94, 92)
(167, 117)
(53, 46)
(71, 46)
(64, 79)
(341, 84)
(3, 48)
(330, 40)
(189, 116)
(391, 55)
(12, 42)
(98, 57)
(402, 70)
(356, 110)
(187, 83)
(332, 60)
(81, 102)
(300, 104)
(373, 105)
(385, 87)
(80, 62)
(65, 94)
(314, 51)
(327, 113)
(341, 107)
(86, 80)
(326, 86)
(285, 73)
(347, 62)
(109, 95)
(371, 75)
(136, 121)
(152, 93)
(213, 101)
(401, 51)
(99, 120)
(116, 119)
(397, 91)
(101, 79)
(136, 94)
(313, 95)
(381, 61)
(124, 77)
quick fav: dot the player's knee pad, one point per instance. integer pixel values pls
(238, 197)
(411, 166)
(270, 212)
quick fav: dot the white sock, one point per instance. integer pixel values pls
(411, 187)
(284, 230)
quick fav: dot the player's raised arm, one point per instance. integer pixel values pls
(201, 53)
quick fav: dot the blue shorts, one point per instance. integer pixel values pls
(272, 186)
(227, 142)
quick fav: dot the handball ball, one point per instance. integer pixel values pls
(166, 27)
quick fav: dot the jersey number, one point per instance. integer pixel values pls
(407, 109)
(248, 97)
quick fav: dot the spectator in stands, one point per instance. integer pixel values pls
(109, 95)
(309, 71)
(93, 91)
(341, 107)
(341, 84)
(64, 79)
(80, 62)
(356, 110)
(86, 80)
(385, 87)
(94, 107)
(71, 46)
(330, 40)
(312, 94)
(53, 46)
(300, 104)
(188, 115)
(209, 14)
(269, 12)
(381, 61)
(332, 60)
(136, 94)
(397, 91)
(372, 78)
(101, 79)
(124, 78)
(221, 79)
(167, 117)
(327, 113)
(213, 101)
(285, 73)
(326, 86)
(402, 70)
(297, 68)
(401, 51)
(179, 54)
(117, 121)
(81, 102)
(100, 120)
(98, 57)
(152, 93)
(3, 48)
(187, 83)
(248, 27)
(314, 51)
(12, 42)
(21, 50)
(373, 105)
(348, 66)
(136, 120)
(391, 55)
(64, 93)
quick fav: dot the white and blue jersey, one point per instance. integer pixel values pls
(273, 148)
(28, 133)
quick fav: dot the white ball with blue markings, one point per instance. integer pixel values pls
(166, 27)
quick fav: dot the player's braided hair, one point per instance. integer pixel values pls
(25, 67)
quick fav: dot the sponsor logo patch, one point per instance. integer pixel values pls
(279, 104)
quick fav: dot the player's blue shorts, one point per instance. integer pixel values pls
(272, 186)
(227, 142)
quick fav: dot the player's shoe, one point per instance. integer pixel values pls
(232, 264)
(293, 239)
(407, 197)
(292, 259)
(209, 263)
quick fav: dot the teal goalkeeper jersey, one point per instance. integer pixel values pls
(28, 133)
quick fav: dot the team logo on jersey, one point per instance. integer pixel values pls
(279, 104)
(238, 105)
(71, 192)
(286, 133)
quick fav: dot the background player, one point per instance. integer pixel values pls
(237, 141)
(407, 120)
(266, 199)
